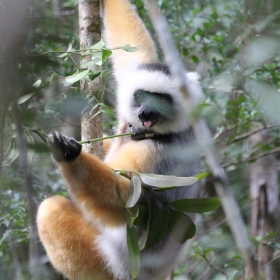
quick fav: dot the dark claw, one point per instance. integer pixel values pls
(62, 147)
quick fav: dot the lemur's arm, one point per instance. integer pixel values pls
(123, 26)
(92, 183)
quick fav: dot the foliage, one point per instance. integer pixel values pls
(170, 218)
(234, 45)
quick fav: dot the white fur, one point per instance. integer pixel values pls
(132, 79)
(112, 244)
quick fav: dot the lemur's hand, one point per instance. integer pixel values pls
(63, 148)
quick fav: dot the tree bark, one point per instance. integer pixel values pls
(90, 34)
(264, 205)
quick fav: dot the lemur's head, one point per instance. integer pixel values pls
(149, 100)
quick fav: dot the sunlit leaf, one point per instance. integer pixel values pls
(143, 239)
(98, 45)
(197, 205)
(202, 175)
(69, 49)
(134, 191)
(133, 251)
(37, 83)
(86, 64)
(166, 181)
(70, 46)
(75, 78)
(97, 58)
(181, 227)
(158, 228)
(128, 48)
(25, 98)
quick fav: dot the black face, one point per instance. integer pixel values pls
(153, 107)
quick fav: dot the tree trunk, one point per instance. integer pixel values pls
(90, 33)
(265, 205)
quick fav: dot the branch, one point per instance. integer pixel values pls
(202, 132)
(228, 132)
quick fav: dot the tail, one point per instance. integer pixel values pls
(123, 26)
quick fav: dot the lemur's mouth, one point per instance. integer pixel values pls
(149, 124)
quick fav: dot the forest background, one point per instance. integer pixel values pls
(233, 45)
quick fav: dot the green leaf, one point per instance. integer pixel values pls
(134, 191)
(215, 15)
(202, 175)
(200, 32)
(75, 78)
(195, 58)
(131, 214)
(92, 75)
(156, 180)
(133, 251)
(197, 205)
(181, 227)
(143, 217)
(157, 228)
(105, 55)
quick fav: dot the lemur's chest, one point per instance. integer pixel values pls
(140, 156)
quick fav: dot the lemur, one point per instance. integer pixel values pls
(85, 237)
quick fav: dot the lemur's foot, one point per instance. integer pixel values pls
(63, 148)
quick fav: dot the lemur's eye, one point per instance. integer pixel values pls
(139, 96)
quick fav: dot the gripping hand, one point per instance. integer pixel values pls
(62, 147)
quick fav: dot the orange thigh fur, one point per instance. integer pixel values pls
(69, 240)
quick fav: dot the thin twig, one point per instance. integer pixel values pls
(106, 137)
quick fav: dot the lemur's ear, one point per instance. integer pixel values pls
(123, 26)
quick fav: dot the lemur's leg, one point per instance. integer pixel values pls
(69, 240)
(92, 184)
(123, 26)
